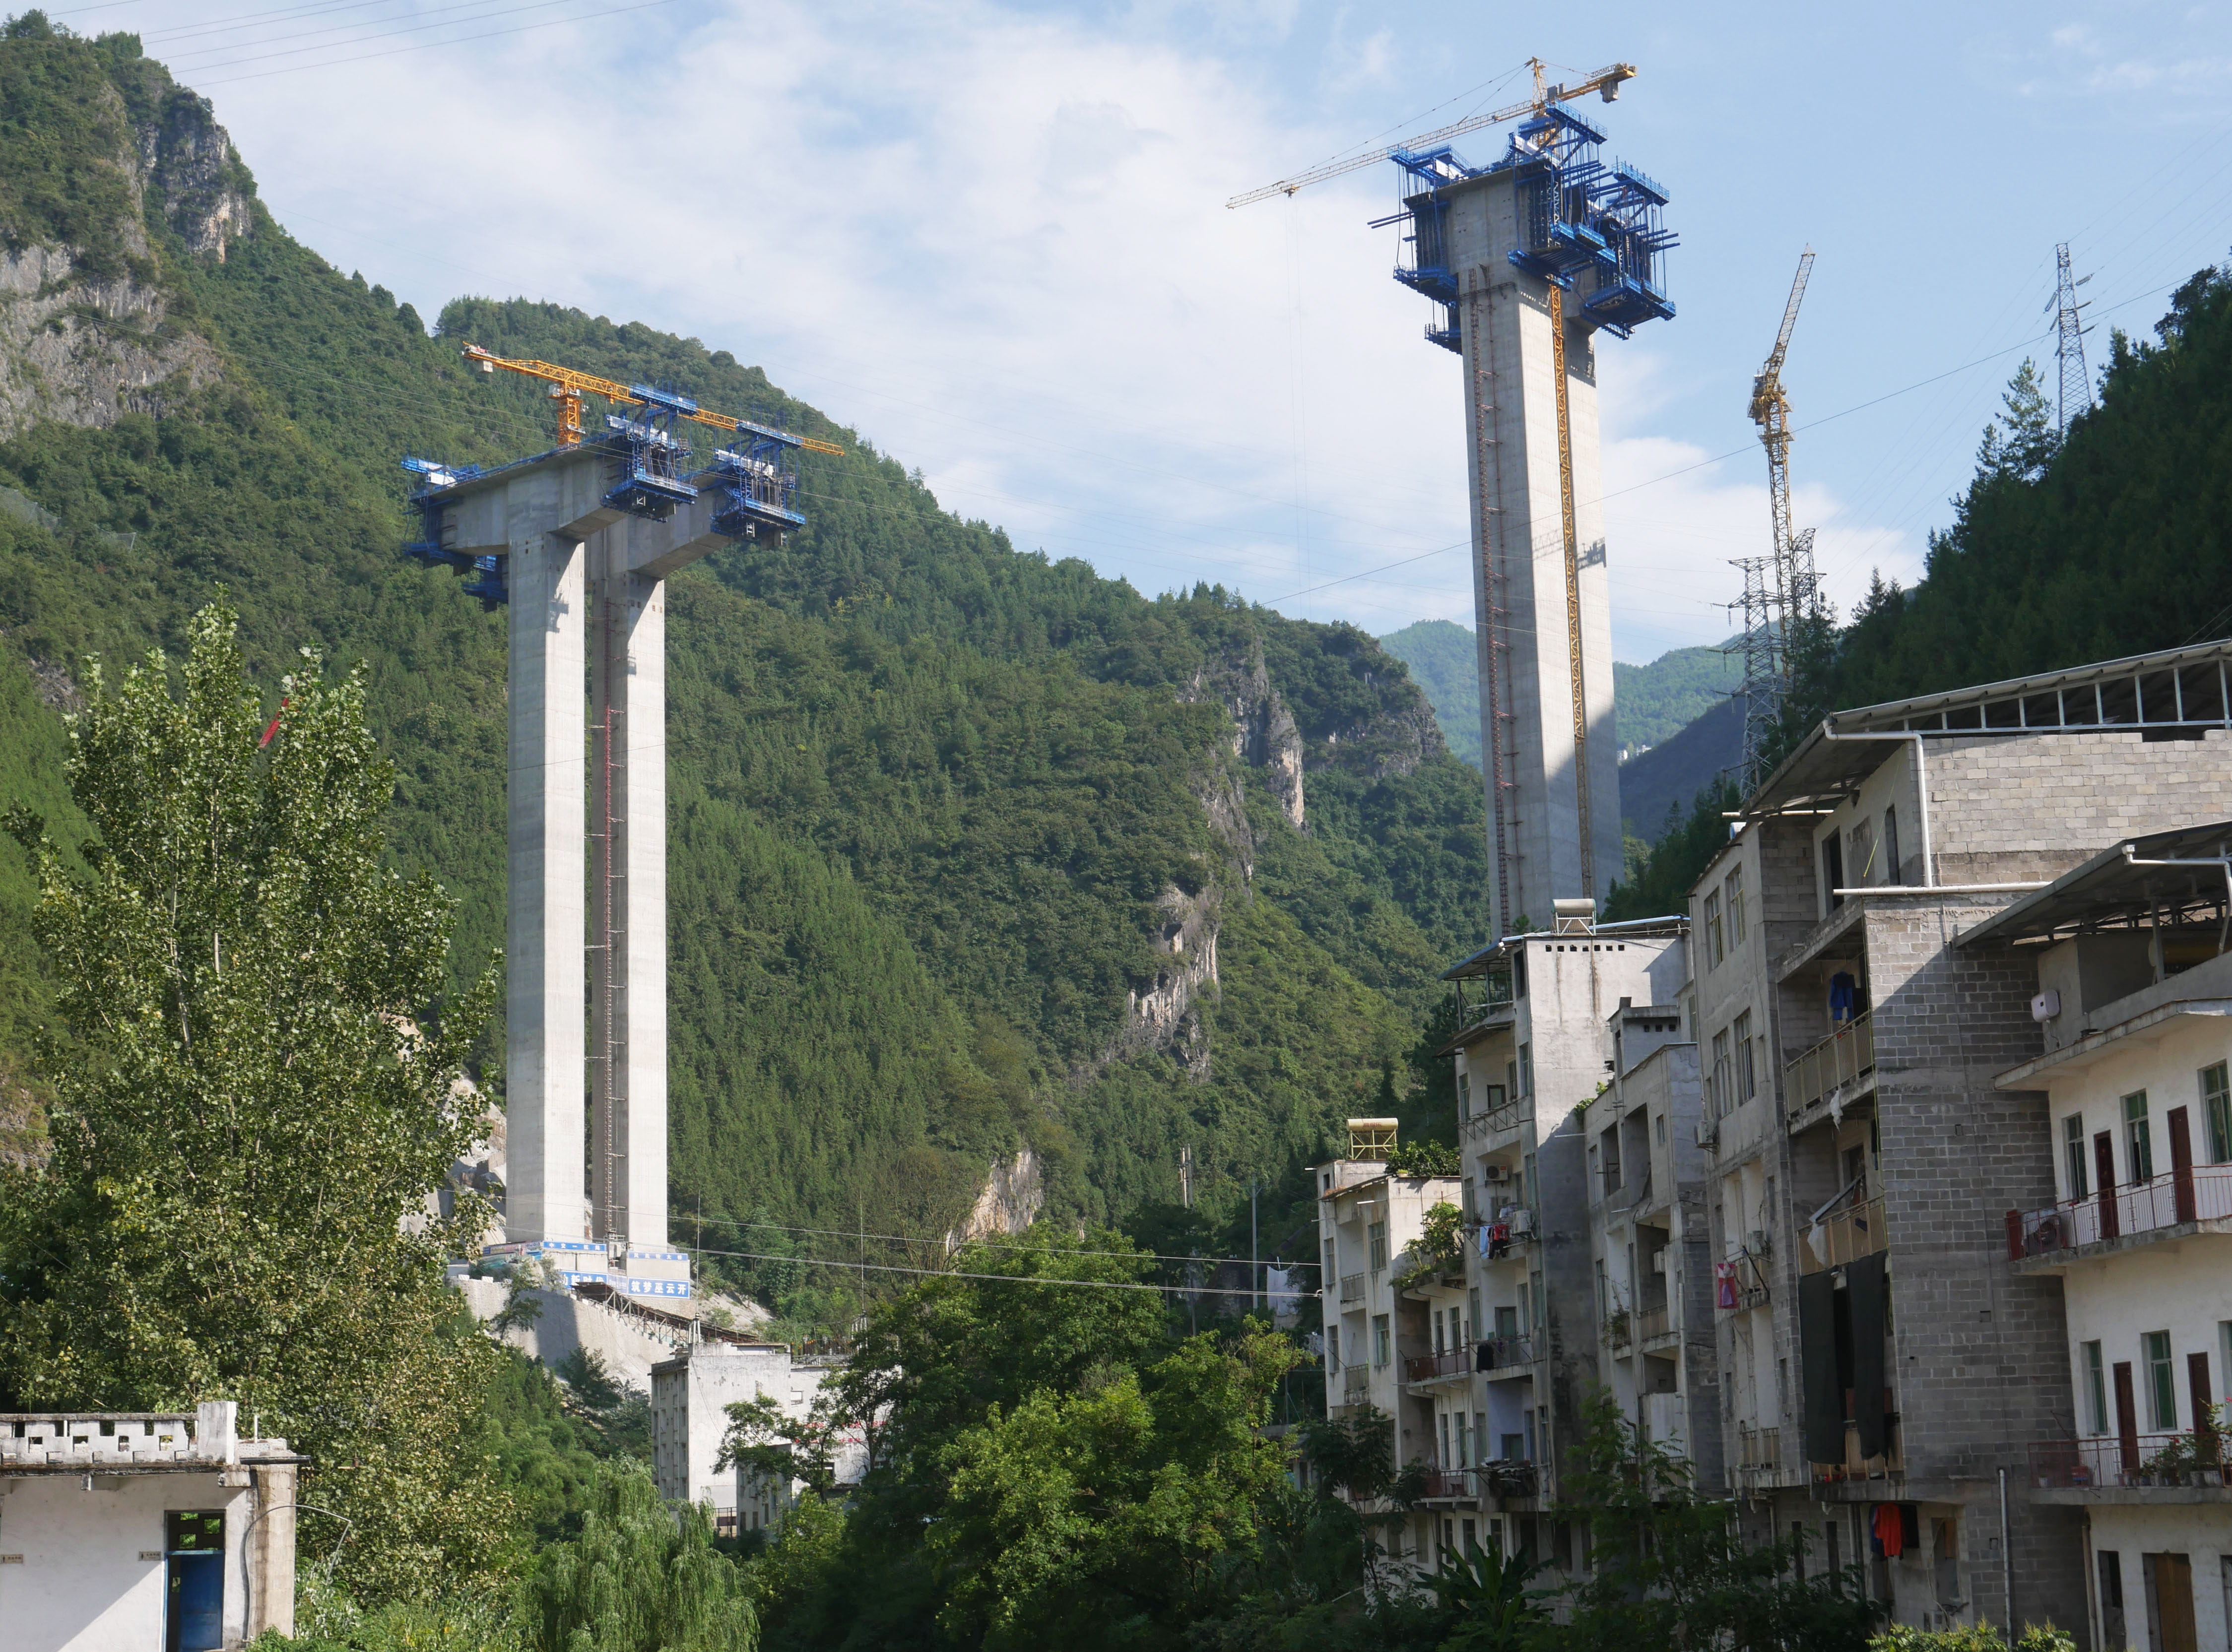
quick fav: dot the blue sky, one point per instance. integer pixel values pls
(992, 239)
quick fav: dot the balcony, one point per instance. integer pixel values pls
(1355, 1381)
(2175, 1199)
(1495, 1120)
(2132, 1463)
(1438, 1368)
(1502, 1353)
(1847, 1056)
(1652, 1323)
(1447, 1483)
(1351, 1287)
(1855, 1466)
(1759, 1452)
(1508, 1477)
(1845, 1236)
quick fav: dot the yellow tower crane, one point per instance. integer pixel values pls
(1770, 410)
(568, 387)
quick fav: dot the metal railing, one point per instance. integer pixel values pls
(1448, 1482)
(1498, 1353)
(1432, 1368)
(2201, 1193)
(1846, 1054)
(1653, 1322)
(2195, 1459)
(1351, 1287)
(1354, 1379)
(1508, 1117)
(1845, 1236)
(1759, 1451)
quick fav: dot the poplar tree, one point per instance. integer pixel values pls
(256, 1088)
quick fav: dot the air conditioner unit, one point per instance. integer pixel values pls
(1708, 1131)
(1494, 1173)
(1758, 1242)
(1522, 1221)
(1658, 1261)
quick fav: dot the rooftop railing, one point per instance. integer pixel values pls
(2199, 1193)
(117, 1439)
(1847, 1054)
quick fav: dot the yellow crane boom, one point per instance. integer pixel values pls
(568, 387)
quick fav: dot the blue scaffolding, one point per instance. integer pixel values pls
(484, 575)
(651, 454)
(1596, 231)
(760, 479)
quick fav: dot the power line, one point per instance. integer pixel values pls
(431, 45)
(997, 1279)
(990, 1244)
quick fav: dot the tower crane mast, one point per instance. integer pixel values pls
(568, 387)
(1770, 410)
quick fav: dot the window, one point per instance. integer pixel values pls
(1332, 1348)
(1442, 1428)
(1659, 1128)
(2162, 1382)
(1604, 1291)
(1472, 1314)
(1734, 890)
(1747, 1069)
(1722, 1079)
(1890, 847)
(1525, 1318)
(1439, 1347)
(1832, 873)
(1526, 1167)
(1527, 1417)
(2217, 1103)
(1377, 1234)
(1479, 1436)
(2072, 1148)
(1526, 1069)
(1508, 1317)
(2096, 1388)
(1714, 940)
(1491, 1097)
(1537, 1321)
(1382, 1346)
(2224, 1363)
(1464, 1459)
(2138, 1146)
(1464, 1095)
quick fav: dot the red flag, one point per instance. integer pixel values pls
(274, 728)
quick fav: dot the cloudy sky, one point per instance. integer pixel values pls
(992, 239)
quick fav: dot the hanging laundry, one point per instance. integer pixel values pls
(1891, 1530)
(1724, 1284)
(1844, 996)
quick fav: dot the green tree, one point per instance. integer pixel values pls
(781, 1448)
(1096, 1518)
(642, 1576)
(253, 1089)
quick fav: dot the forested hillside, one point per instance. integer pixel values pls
(958, 832)
(2106, 541)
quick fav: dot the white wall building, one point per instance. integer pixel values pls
(689, 1397)
(2135, 1010)
(133, 1532)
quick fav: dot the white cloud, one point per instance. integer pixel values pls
(997, 244)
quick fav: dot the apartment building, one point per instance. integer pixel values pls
(1650, 1241)
(2133, 1019)
(1532, 1055)
(1387, 1312)
(1880, 1353)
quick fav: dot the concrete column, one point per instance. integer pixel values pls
(545, 928)
(627, 891)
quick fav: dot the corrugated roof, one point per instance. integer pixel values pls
(2117, 888)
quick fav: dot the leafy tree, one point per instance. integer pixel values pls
(1095, 1518)
(781, 1448)
(1423, 1158)
(253, 1098)
(1668, 1568)
(642, 1576)
(1486, 1594)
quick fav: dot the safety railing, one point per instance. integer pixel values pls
(1759, 1451)
(1509, 1116)
(2132, 1460)
(1351, 1287)
(1432, 1368)
(1355, 1380)
(2200, 1193)
(1447, 1483)
(1500, 1353)
(1653, 1322)
(1843, 1236)
(1846, 1054)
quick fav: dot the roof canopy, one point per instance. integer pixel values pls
(2126, 887)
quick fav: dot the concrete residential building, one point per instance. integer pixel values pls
(1531, 1056)
(1650, 1243)
(122, 1532)
(1377, 1318)
(689, 1397)
(2134, 1012)
(1880, 1350)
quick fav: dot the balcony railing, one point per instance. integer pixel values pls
(2197, 1194)
(1432, 1368)
(1354, 1379)
(1855, 1466)
(1351, 1287)
(1848, 1053)
(1448, 1482)
(1653, 1322)
(1759, 1451)
(2132, 1460)
(1498, 1353)
(1508, 1117)
(1845, 1236)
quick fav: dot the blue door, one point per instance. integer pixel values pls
(193, 1615)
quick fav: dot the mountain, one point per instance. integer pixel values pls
(979, 862)
(1445, 665)
(1674, 718)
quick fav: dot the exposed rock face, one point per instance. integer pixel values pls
(186, 161)
(1263, 731)
(1400, 733)
(1010, 1201)
(86, 351)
